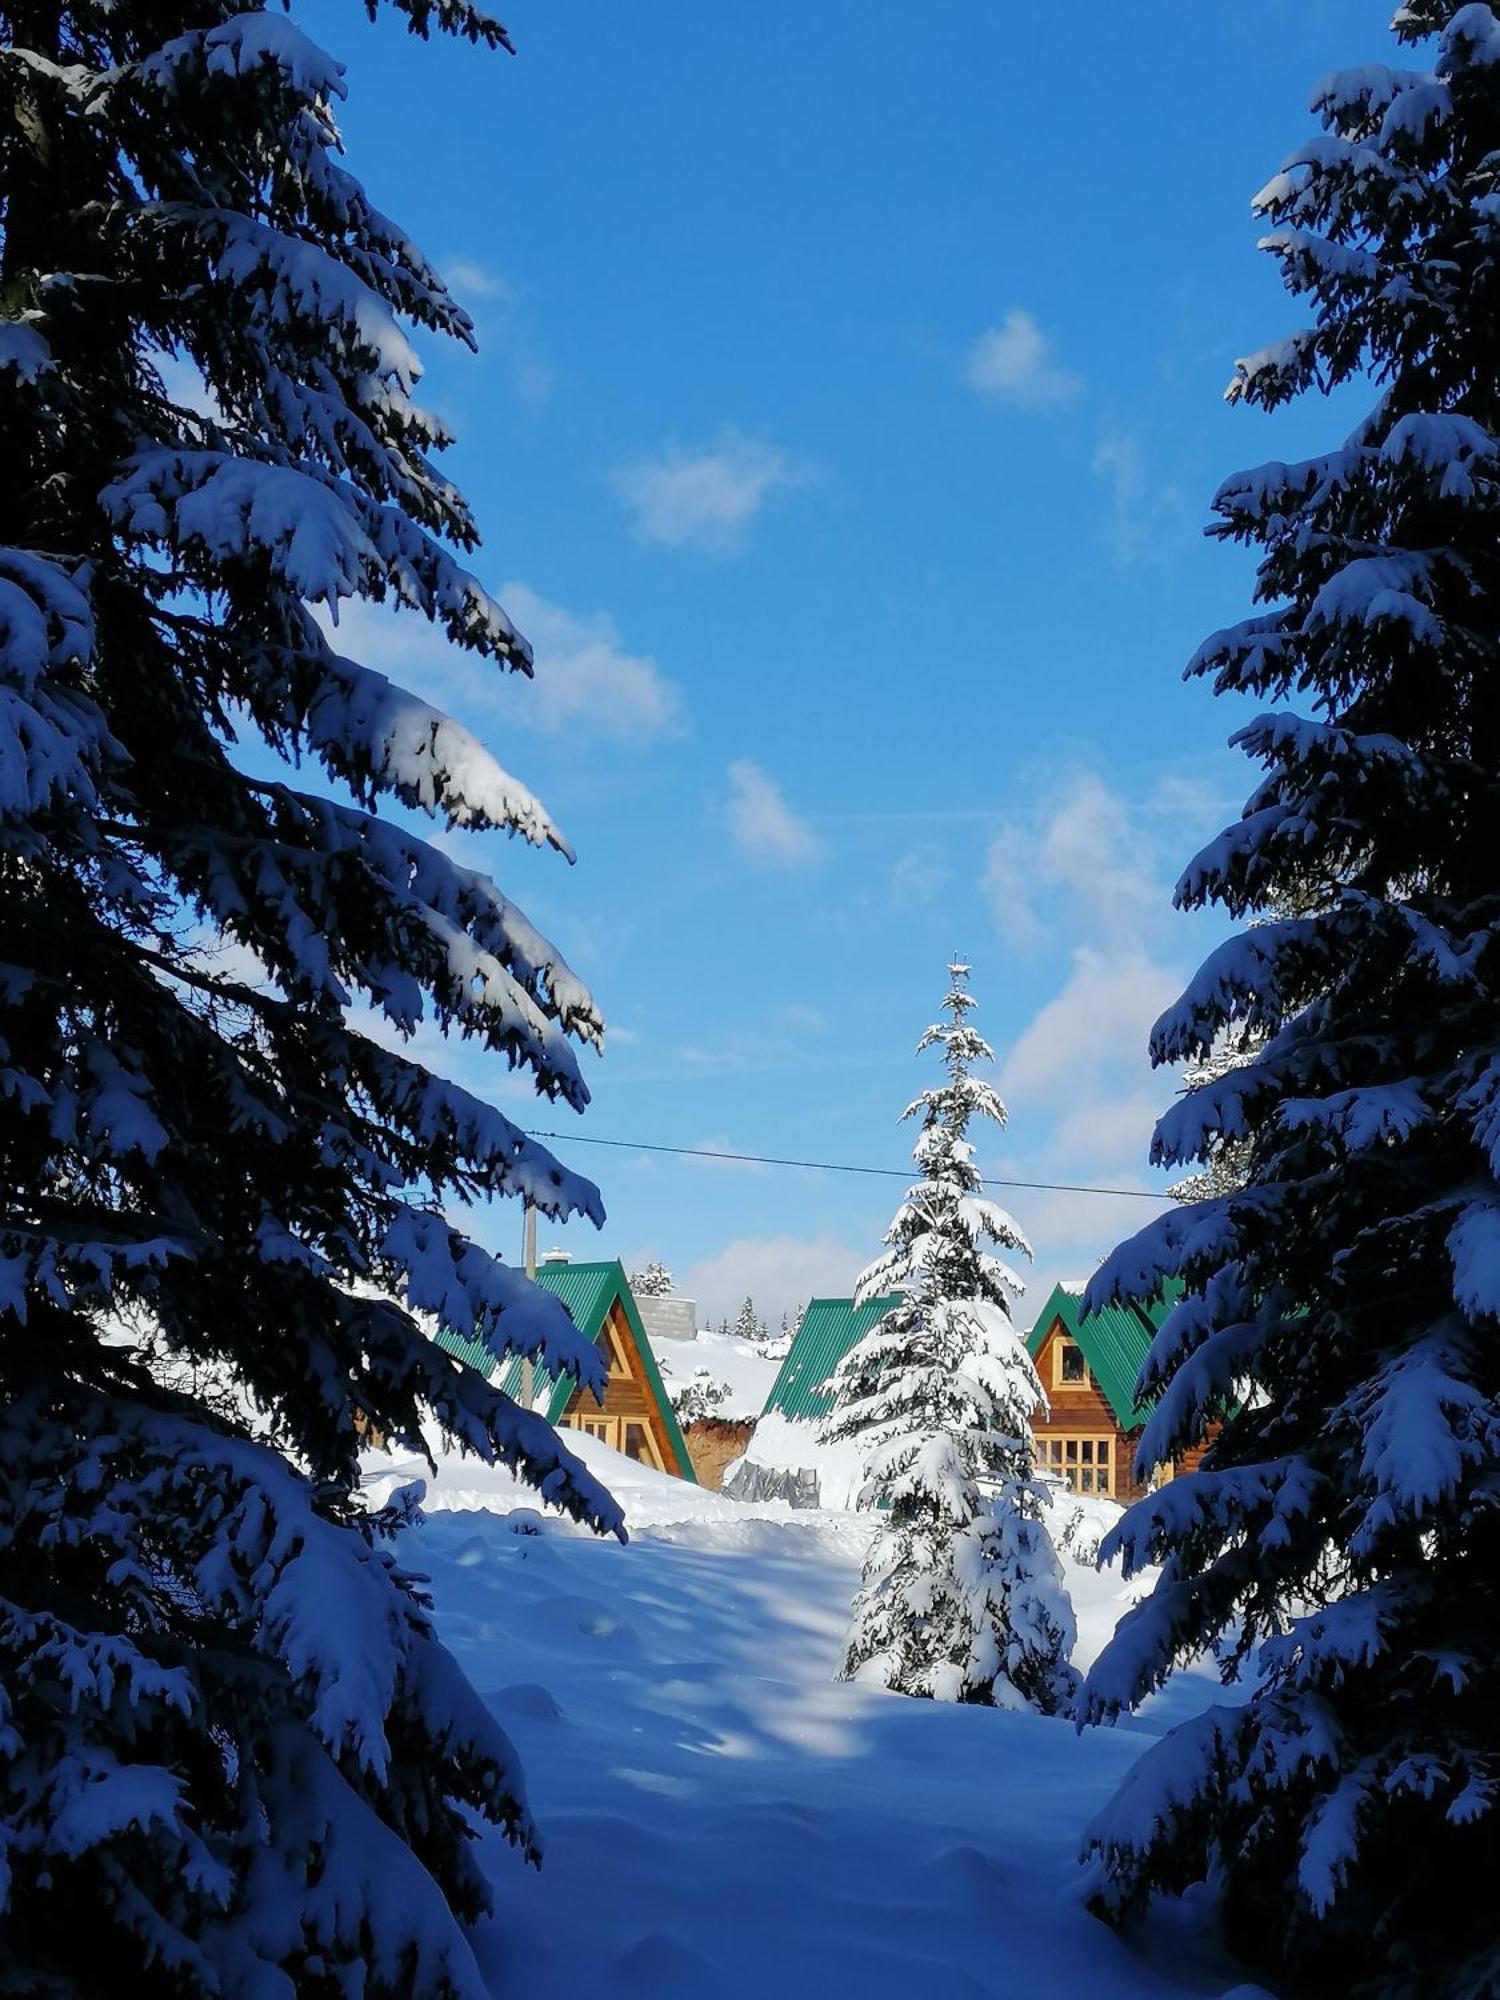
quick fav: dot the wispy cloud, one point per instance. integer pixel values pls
(762, 825)
(1089, 1036)
(1146, 520)
(1087, 863)
(705, 496)
(918, 875)
(502, 326)
(779, 1272)
(1016, 364)
(585, 683)
(584, 677)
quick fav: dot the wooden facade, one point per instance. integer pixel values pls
(1079, 1435)
(630, 1419)
(634, 1416)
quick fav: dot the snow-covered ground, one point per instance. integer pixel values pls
(722, 1818)
(738, 1364)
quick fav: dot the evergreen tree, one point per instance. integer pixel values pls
(1226, 1162)
(748, 1324)
(654, 1282)
(233, 1757)
(962, 1596)
(702, 1395)
(776, 1347)
(1342, 1313)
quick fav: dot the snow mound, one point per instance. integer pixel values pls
(719, 1816)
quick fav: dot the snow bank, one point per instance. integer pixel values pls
(719, 1815)
(738, 1364)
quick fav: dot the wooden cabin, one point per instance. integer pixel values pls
(1089, 1367)
(635, 1417)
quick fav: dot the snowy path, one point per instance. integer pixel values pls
(720, 1817)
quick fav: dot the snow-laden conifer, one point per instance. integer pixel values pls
(233, 1757)
(653, 1281)
(962, 1597)
(748, 1324)
(1342, 1311)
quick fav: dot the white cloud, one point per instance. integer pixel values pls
(1146, 521)
(1087, 877)
(1078, 1046)
(761, 823)
(1074, 1233)
(1089, 864)
(584, 678)
(585, 682)
(501, 326)
(778, 1272)
(466, 278)
(1015, 363)
(706, 496)
(918, 875)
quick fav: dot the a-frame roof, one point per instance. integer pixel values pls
(1115, 1341)
(588, 1291)
(829, 1329)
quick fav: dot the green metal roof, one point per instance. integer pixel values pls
(829, 1329)
(588, 1291)
(1115, 1341)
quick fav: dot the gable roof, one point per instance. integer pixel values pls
(828, 1330)
(1115, 1341)
(588, 1291)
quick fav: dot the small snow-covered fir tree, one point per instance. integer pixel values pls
(962, 1596)
(653, 1282)
(234, 1758)
(702, 1395)
(1342, 1307)
(776, 1347)
(748, 1324)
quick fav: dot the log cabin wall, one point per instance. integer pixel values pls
(629, 1419)
(1079, 1436)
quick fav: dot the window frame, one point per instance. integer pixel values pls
(1060, 1347)
(1087, 1462)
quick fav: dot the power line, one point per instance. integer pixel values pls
(830, 1166)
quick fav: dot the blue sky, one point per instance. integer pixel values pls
(847, 410)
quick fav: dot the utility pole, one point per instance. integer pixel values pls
(527, 1383)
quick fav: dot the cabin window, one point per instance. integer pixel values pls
(597, 1427)
(635, 1441)
(1072, 1369)
(1085, 1463)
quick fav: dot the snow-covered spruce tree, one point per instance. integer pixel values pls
(748, 1324)
(1343, 1308)
(702, 1395)
(1226, 1161)
(654, 1282)
(233, 1757)
(962, 1596)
